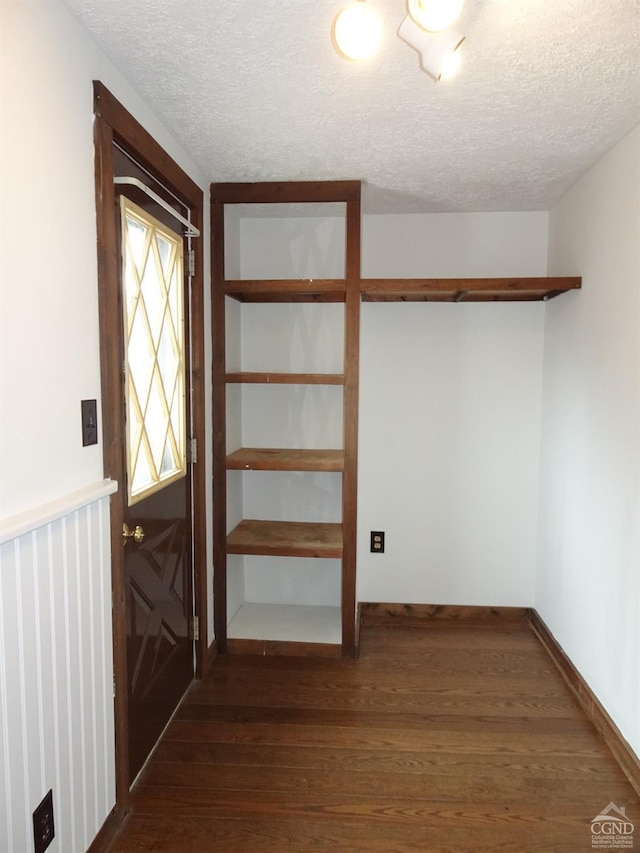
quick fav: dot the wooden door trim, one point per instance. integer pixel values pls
(113, 123)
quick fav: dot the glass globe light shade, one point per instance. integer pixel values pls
(434, 15)
(356, 31)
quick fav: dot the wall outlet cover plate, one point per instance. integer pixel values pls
(43, 829)
(377, 541)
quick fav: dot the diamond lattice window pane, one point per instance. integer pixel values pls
(142, 477)
(164, 253)
(140, 357)
(156, 421)
(154, 296)
(176, 430)
(137, 242)
(131, 288)
(134, 255)
(168, 460)
(136, 418)
(168, 362)
(154, 359)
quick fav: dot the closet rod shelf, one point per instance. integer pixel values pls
(286, 539)
(467, 289)
(527, 289)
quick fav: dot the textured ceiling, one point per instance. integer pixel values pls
(253, 90)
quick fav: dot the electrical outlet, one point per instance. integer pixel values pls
(89, 422)
(43, 830)
(377, 541)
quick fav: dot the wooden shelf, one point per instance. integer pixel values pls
(286, 378)
(286, 539)
(277, 459)
(286, 290)
(466, 289)
(528, 289)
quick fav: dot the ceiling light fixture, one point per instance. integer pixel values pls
(356, 31)
(426, 28)
(439, 52)
(434, 15)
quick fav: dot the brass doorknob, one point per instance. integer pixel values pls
(137, 534)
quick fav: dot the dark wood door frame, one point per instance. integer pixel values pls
(114, 124)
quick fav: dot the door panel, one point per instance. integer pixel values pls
(157, 526)
(159, 607)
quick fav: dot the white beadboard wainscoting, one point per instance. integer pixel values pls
(56, 671)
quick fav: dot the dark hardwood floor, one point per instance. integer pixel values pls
(442, 738)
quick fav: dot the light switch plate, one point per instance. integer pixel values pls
(89, 422)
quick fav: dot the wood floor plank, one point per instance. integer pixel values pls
(271, 835)
(201, 784)
(567, 767)
(478, 679)
(517, 706)
(439, 739)
(380, 723)
(391, 693)
(472, 814)
(462, 742)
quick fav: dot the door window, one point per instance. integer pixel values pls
(154, 363)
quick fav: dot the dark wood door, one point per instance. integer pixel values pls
(157, 530)
(159, 606)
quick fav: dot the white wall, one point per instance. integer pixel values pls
(49, 358)
(449, 452)
(450, 398)
(49, 347)
(454, 245)
(588, 589)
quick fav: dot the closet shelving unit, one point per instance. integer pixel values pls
(283, 539)
(467, 289)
